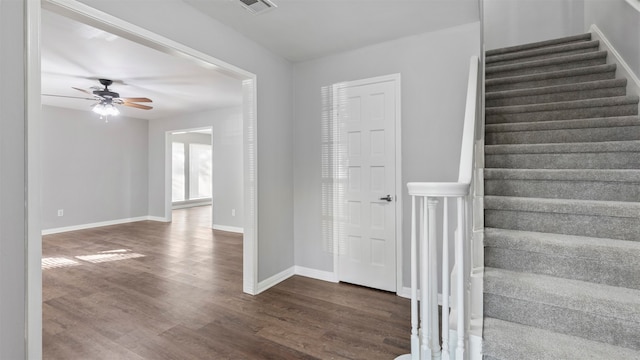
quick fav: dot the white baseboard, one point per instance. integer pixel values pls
(233, 229)
(157, 218)
(623, 69)
(275, 280)
(190, 204)
(329, 276)
(93, 225)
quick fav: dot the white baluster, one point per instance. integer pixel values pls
(434, 333)
(460, 257)
(425, 352)
(415, 341)
(445, 281)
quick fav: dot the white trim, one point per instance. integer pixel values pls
(635, 4)
(316, 274)
(275, 280)
(233, 229)
(396, 79)
(93, 225)
(622, 69)
(33, 246)
(190, 204)
(158, 218)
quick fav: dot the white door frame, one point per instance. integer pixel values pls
(168, 173)
(90, 16)
(396, 79)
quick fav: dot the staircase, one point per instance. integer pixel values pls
(562, 205)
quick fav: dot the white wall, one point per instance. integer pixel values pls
(516, 22)
(94, 170)
(434, 69)
(12, 181)
(227, 161)
(180, 22)
(620, 23)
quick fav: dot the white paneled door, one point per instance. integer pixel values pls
(367, 119)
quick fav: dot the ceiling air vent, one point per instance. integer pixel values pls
(258, 6)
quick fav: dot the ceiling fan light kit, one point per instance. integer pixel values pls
(107, 100)
(105, 109)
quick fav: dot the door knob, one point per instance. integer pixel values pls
(388, 198)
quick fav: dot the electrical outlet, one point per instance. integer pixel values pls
(60, 212)
(233, 212)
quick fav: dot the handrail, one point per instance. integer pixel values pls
(465, 169)
(425, 337)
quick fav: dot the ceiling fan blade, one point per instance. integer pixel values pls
(136, 99)
(138, 106)
(70, 97)
(83, 90)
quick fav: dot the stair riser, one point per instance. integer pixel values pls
(569, 224)
(546, 68)
(557, 97)
(568, 267)
(565, 114)
(579, 190)
(613, 160)
(564, 135)
(551, 82)
(540, 45)
(566, 321)
(491, 63)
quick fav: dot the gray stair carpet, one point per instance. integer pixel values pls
(562, 204)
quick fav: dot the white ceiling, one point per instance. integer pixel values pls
(306, 29)
(76, 55)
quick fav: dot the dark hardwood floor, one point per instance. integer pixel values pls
(150, 290)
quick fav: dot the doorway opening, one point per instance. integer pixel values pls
(110, 24)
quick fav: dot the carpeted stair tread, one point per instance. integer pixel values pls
(617, 209)
(608, 175)
(607, 219)
(560, 184)
(577, 75)
(557, 50)
(584, 296)
(565, 110)
(585, 147)
(600, 260)
(546, 65)
(604, 122)
(509, 341)
(557, 93)
(539, 44)
(563, 105)
(593, 311)
(601, 134)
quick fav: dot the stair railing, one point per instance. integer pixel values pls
(425, 196)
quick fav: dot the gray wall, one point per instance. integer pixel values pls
(227, 161)
(515, 22)
(95, 170)
(434, 69)
(12, 181)
(620, 23)
(180, 22)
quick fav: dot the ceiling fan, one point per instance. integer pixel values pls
(107, 99)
